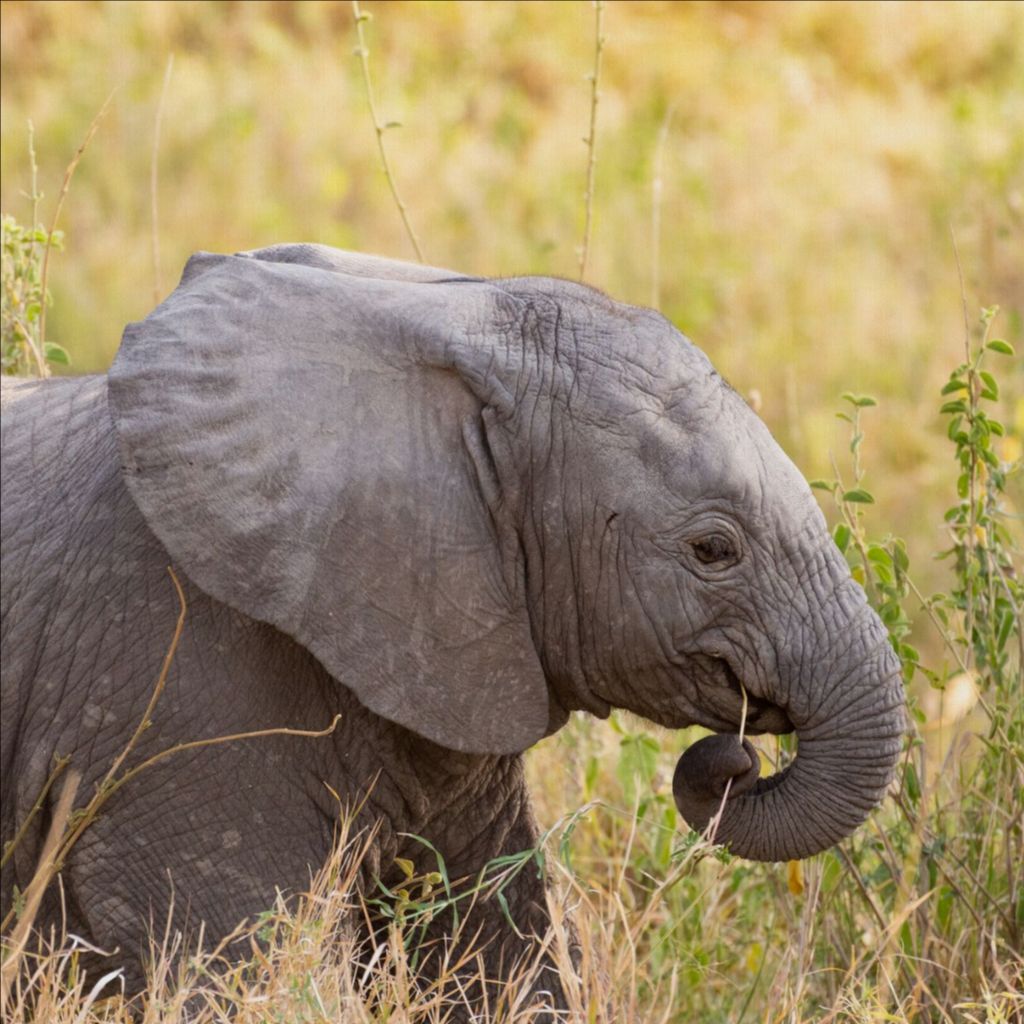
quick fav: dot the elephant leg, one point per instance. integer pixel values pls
(503, 935)
(512, 935)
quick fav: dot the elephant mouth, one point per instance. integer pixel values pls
(725, 712)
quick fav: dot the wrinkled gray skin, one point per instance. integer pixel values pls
(452, 510)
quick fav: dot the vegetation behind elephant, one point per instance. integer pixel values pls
(453, 510)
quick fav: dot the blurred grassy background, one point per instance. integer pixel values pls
(813, 158)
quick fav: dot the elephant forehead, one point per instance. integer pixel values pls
(715, 448)
(640, 361)
(614, 354)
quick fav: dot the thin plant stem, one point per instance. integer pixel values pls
(657, 188)
(363, 53)
(591, 139)
(217, 740)
(36, 195)
(34, 346)
(944, 633)
(852, 519)
(69, 173)
(865, 893)
(712, 829)
(59, 765)
(147, 720)
(153, 181)
(972, 471)
(40, 880)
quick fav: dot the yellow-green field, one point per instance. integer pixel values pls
(785, 182)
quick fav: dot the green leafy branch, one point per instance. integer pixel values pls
(24, 350)
(880, 566)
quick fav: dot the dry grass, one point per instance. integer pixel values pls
(299, 961)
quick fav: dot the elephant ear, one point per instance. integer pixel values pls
(355, 264)
(306, 443)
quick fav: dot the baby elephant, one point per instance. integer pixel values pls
(450, 510)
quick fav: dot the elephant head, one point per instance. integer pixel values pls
(483, 504)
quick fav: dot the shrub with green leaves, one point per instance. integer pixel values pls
(25, 350)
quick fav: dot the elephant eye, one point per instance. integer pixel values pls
(714, 548)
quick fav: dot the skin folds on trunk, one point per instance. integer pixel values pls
(844, 764)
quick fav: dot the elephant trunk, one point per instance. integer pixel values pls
(848, 746)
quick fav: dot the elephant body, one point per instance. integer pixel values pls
(224, 828)
(450, 511)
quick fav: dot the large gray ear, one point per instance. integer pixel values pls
(296, 436)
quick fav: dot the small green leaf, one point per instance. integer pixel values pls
(859, 496)
(590, 774)
(878, 555)
(503, 902)
(910, 780)
(899, 556)
(990, 382)
(884, 576)
(841, 535)
(955, 384)
(859, 401)
(823, 485)
(1004, 629)
(998, 345)
(889, 613)
(958, 406)
(56, 353)
(944, 906)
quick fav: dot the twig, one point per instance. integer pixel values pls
(863, 889)
(363, 53)
(26, 330)
(36, 194)
(216, 740)
(963, 296)
(591, 139)
(712, 829)
(161, 682)
(656, 194)
(65, 186)
(852, 520)
(937, 623)
(60, 764)
(40, 880)
(153, 167)
(972, 471)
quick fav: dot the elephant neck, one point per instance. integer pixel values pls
(555, 625)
